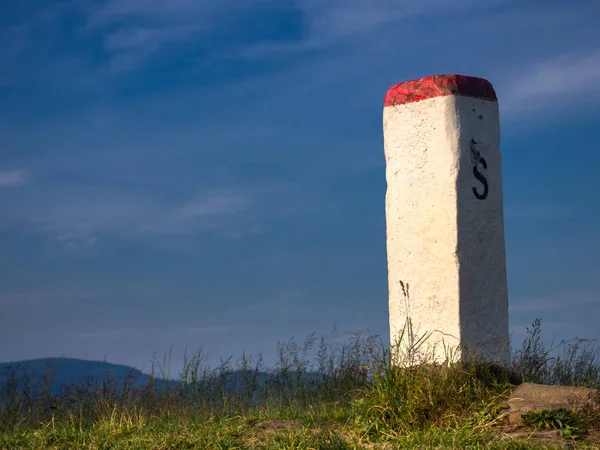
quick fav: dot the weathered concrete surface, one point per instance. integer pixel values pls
(444, 217)
(537, 397)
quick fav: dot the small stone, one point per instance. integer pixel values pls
(538, 397)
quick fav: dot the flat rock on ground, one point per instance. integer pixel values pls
(537, 397)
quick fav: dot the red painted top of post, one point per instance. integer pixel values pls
(438, 86)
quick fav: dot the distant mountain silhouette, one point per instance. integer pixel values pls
(70, 371)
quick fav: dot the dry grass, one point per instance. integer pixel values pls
(351, 399)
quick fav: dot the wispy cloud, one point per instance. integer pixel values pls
(132, 47)
(134, 30)
(217, 204)
(10, 178)
(77, 238)
(140, 27)
(163, 12)
(330, 23)
(88, 212)
(331, 20)
(553, 83)
(82, 216)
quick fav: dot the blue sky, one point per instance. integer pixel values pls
(211, 171)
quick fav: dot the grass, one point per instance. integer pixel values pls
(354, 398)
(570, 424)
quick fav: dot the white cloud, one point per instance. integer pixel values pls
(173, 11)
(554, 83)
(219, 203)
(132, 215)
(77, 238)
(12, 178)
(133, 30)
(327, 23)
(334, 19)
(79, 216)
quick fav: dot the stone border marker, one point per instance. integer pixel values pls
(444, 216)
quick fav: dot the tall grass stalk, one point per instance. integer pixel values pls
(360, 389)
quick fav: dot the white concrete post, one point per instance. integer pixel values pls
(444, 216)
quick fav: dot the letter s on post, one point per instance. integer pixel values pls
(481, 178)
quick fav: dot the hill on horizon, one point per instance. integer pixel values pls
(72, 371)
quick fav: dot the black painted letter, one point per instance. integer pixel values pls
(481, 178)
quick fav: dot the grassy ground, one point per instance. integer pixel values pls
(359, 400)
